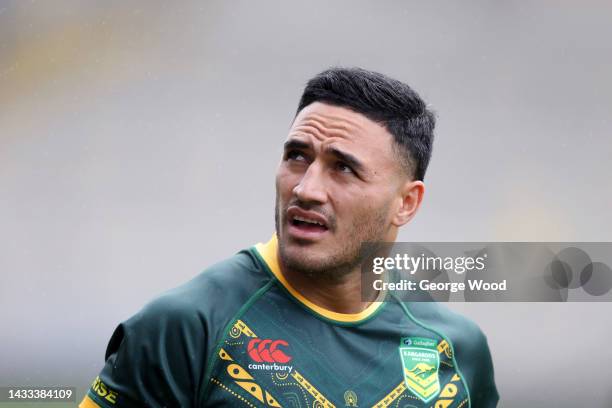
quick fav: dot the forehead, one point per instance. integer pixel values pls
(325, 125)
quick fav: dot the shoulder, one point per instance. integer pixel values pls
(204, 305)
(158, 357)
(225, 283)
(461, 330)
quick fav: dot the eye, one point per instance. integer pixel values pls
(295, 155)
(344, 168)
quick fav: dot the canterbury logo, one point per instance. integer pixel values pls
(267, 351)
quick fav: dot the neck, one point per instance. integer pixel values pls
(341, 295)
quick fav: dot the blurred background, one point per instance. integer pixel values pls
(139, 141)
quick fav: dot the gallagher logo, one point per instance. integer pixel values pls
(267, 351)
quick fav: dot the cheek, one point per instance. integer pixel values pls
(285, 183)
(364, 209)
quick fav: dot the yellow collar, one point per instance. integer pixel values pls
(269, 253)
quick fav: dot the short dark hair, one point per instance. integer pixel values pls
(384, 100)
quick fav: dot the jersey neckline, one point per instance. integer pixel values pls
(268, 253)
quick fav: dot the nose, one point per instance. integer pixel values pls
(311, 187)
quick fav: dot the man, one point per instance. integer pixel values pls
(284, 323)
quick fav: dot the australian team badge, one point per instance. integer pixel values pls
(420, 363)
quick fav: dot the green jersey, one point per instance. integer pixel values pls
(239, 335)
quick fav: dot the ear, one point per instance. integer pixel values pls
(411, 197)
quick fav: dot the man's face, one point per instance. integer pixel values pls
(338, 185)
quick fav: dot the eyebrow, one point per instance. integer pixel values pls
(295, 144)
(347, 158)
(338, 154)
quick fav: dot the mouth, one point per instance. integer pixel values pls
(306, 225)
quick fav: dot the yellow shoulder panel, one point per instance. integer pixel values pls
(88, 403)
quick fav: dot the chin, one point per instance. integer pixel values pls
(295, 256)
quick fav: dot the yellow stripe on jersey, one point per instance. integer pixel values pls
(269, 253)
(88, 403)
(392, 396)
(312, 390)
